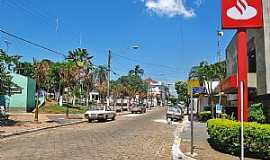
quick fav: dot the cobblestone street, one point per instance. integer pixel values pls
(129, 137)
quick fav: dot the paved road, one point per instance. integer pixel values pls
(134, 137)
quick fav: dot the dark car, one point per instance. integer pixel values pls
(174, 113)
(140, 108)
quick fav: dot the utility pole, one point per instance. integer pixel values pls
(191, 124)
(219, 35)
(109, 77)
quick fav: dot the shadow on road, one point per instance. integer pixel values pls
(9, 122)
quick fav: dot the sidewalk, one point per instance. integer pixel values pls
(202, 149)
(19, 123)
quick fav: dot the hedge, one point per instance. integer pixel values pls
(225, 136)
(205, 116)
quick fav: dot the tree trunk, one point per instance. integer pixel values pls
(87, 99)
(61, 101)
(74, 100)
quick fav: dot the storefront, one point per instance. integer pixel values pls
(258, 65)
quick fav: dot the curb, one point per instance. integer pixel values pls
(39, 129)
(46, 128)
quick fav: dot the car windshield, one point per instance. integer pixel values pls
(97, 108)
(173, 109)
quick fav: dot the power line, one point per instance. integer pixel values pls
(46, 17)
(146, 63)
(32, 43)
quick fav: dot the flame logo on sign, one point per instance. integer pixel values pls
(241, 11)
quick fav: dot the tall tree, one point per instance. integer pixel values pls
(79, 64)
(207, 73)
(101, 79)
(181, 88)
(5, 78)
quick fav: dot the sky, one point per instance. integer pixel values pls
(172, 35)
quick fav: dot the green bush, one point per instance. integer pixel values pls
(207, 108)
(225, 136)
(256, 113)
(205, 116)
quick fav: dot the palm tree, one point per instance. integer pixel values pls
(88, 84)
(41, 72)
(40, 75)
(137, 71)
(207, 73)
(80, 66)
(100, 76)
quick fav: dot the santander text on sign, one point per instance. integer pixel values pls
(242, 14)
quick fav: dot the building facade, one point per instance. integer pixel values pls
(23, 98)
(258, 65)
(156, 92)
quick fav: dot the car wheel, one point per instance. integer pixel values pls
(90, 120)
(113, 118)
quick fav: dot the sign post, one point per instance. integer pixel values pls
(242, 92)
(242, 15)
(195, 90)
(191, 125)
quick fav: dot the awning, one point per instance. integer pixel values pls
(228, 85)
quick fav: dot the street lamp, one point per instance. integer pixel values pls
(219, 35)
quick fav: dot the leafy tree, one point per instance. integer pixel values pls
(76, 69)
(5, 78)
(101, 79)
(41, 73)
(173, 99)
(207, 73)
(54, 79)
(26, 69)
(101, 73)
(181, 88)
(134, 85)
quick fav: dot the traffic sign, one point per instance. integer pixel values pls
(242, 14)
(218, 109)
(198, 90)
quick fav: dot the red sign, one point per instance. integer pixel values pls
(242, 14)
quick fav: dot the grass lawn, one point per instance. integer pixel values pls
(56, 109)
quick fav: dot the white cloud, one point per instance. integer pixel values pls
(170, 8)
(198, 3)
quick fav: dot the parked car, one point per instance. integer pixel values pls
(174, 113)
(102, 113)
(125, 107)
(118, 108)
(3, 113)
(138, 108)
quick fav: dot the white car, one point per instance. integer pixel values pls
(100, 113)
(174, 113)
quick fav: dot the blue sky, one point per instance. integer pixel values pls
(173, 38)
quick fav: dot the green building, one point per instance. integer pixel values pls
(22, 99)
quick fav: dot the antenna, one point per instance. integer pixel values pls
(80, 40)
